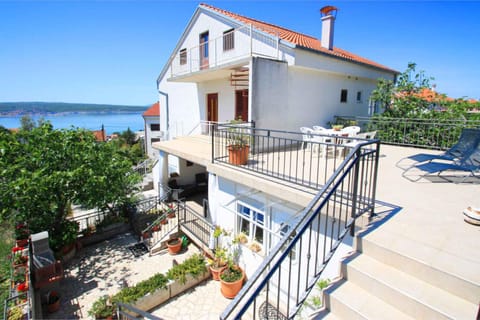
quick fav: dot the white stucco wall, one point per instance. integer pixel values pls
(149, 134)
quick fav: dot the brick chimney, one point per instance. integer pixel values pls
(328, 14)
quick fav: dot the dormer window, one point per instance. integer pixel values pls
(228, 40)
(183, 56)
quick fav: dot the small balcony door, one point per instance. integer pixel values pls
(212, 107)
(241, 104)
(204, 50)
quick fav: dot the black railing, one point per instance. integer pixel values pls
(161, 227)
(306, 160)
(424, 133)
(195, 224)
(283, 281)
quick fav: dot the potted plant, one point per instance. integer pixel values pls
(255, 246)
(15, 313)
(237, 144)
(231, 280)
(171, 212)
(102, 308)
(21, 234)
(53, 301)
(218, 263)
(174, 245)
(19, 259)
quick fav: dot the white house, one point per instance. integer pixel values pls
(226, 66)
(152, 131)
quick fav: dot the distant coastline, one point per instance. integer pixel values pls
(18, 109)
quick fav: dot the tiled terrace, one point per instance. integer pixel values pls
(428, 226)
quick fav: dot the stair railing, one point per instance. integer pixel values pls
(160, 229)
(281, 284)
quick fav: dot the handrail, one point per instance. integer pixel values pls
(424, 133)
(346, 195)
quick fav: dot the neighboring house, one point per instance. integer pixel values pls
(100, 135)
(227, 66)
(152, 128)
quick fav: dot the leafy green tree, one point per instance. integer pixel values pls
(128, 137)
(399, 99)
(44, 171)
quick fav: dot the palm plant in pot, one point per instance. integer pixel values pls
(237, 144)
(103, 308)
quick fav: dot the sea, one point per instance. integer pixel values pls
(112, 122)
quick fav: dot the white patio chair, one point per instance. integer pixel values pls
(307, 135)
(319, 129)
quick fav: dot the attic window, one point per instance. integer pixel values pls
(228, 40)
(183, 56)
(343, 95)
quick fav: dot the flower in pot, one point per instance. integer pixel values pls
(174, 245)
(19, 259)
(255, 246)
(103, 308)
(156, 227)
(171, 211)
(337, 127)
(21, 234)
(53, 301)
(231, 280)
(19, 276)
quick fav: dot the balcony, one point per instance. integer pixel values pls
(215, 58)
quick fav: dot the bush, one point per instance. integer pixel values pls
(195, 266)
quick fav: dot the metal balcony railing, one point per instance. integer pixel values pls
(283, 281)
(424, 133)
(287, 156)
(238, 44)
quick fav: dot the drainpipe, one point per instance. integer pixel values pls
(167, 115)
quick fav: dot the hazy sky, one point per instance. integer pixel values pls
(113, 51)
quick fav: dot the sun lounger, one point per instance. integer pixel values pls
(468, 163)
(469, 138)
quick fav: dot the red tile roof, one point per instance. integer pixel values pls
(99, 135)
(298, 39)
(153, 111)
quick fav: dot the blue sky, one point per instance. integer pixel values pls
(113, 51)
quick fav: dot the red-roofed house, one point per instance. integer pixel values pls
(153, 134)
(226, 66)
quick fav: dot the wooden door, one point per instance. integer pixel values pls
(241, 104)
(212, 107)
(204, 50)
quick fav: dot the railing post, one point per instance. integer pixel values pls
(375, 175)
(213, 144)
(355, 190)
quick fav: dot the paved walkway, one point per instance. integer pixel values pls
(103, 269)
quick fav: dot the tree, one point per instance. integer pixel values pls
(398, 99)
(44, 171)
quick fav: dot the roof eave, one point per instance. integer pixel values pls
(395, 72)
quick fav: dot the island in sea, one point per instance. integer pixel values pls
(15, 109)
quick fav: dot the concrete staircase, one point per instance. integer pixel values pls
(392, 278)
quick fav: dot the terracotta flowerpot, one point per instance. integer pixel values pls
(21, 242)
(174, 245)
(230, 289)
(238, 155)
(156, 228)
(171, 215)
(164, 221)
(216, 272)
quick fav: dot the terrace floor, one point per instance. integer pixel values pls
(429, 216)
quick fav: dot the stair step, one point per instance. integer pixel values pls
(414, 258)
(405, 291)
(349, 301)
